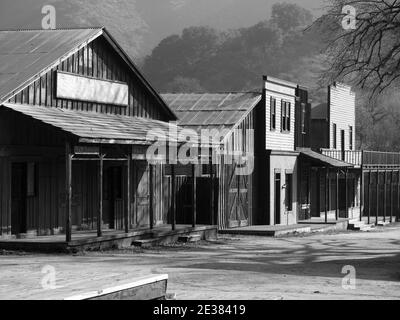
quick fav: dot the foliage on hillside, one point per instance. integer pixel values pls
(204, 59)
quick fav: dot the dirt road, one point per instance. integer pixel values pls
(241, 268)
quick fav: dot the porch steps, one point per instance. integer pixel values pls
(190, 238)
(357, 225)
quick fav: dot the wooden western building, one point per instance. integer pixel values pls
(75, 114)
(235, 119)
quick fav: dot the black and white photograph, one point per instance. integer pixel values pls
(199, 154)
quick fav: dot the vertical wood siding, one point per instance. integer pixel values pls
(97, 60)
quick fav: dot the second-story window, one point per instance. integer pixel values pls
(351, 138)
(273, 114)
(303, 118)
(285, 116)
(334, 136)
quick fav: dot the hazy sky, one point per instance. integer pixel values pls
(148, 21)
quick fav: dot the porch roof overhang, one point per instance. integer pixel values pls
(322, 160)
(99, 128)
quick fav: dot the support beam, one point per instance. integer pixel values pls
(100, 191)
(385, 197)
(391, 197)
(326, 194)
(369, 196)
(377, 197)
(362, 195)
(347, 192)
(212, 193)
(173, 200)
(194, 196)
(398, 196)
(128, 192)
(151, 169)
(68, 192)
(337, 194)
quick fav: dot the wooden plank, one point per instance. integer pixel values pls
(68, 192)
(100, 195)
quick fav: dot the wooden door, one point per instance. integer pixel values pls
(238, 199)
(142, 194)
(19, 198)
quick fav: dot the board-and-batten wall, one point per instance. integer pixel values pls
(98, 60)
(276, 139)
(240, 140)
(342, 104)
(20, 137)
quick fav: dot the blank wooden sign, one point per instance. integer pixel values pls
(77, 87)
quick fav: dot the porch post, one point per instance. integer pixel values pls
(68, 189)
(369, 197)
(212, 192)
(377, 197)
(398, 195)
(337, 195)
(194, 196)
(151, 169)
(128, 192)
(326, 194)
(173, 200)
(362, 195)
(347, 194)
(100, 212)
(385, 197)
(391, 196)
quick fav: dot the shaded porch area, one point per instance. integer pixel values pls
(330, 189)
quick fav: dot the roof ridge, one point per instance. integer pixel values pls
(48, 30)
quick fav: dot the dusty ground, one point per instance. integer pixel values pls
(306, 267)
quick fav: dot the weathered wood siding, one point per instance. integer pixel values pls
(342, 112)
(98, 60)
(275, 138)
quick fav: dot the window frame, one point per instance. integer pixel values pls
(273, 114)
(286, 109)
(334, 133)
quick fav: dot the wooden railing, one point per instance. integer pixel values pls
(365, 158)
(352, 157)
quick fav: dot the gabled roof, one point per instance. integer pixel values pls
(212, 111)
(92, 127)
(26, 54)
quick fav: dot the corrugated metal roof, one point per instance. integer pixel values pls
(322, 159)
(97, 126)
(25, 53)
(223, 110)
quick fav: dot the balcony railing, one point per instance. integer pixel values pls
(365, 158)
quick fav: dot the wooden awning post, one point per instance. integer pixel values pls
(347, 193)
(385, 196)
(391, 197)
(212, 193)
(362, 194)
(128, 192)
(68, 192)
(369, 196)
(326, 194)
(194, 196)
(173, 200)
(151, 205)
(100, 212)
(377, 197)
(337, 194)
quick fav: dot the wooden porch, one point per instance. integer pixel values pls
(110, 239)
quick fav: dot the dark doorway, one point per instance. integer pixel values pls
(203, 200)
(18, 196)
(277, 198)
(113, 195)
(342, 198)
(343, 146)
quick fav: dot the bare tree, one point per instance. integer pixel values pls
(364, 51)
